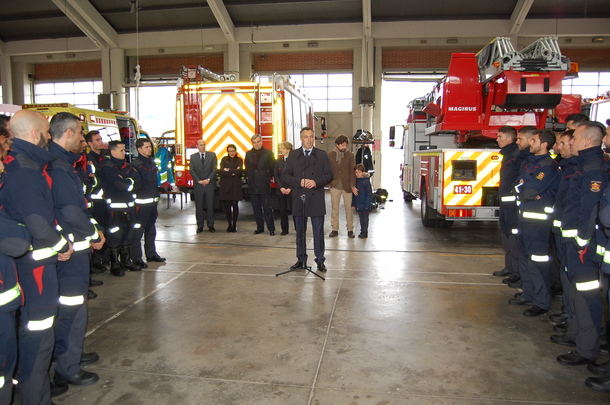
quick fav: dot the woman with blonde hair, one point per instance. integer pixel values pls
(285, 200)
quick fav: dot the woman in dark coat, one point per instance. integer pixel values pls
(283, 190)
(230, 185)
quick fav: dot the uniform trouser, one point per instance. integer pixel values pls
(122, 227)
(146, 215)
(285, 204)
(566, 286)
(555, 267)
(8, 355)
(586, 305)
(35, 336)
(510, 243)
(335, 200)
(261, 205)
(364, 222)
(99, 212)
(317, 223)
(71, 322)
(204, 205)
(535, 260)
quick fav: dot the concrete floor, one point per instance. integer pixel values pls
(409, 316)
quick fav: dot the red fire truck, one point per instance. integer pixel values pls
(448, 161)
(210, 106)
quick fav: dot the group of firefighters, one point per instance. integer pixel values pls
(555, 226)
(63, 212)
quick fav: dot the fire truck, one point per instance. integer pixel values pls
(449, 164)
(214, 108)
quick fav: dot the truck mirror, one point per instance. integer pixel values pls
(392, 133)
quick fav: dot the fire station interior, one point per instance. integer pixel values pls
(411, 315)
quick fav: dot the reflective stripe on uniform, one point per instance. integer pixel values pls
(81, 245)
(540, 258)
(114, 230)
(10, 295)
(98, 196)
(121, 205)
(514, 231)
(569, 233)
(45, 253)
(606, 256)
(41, 325)
(581, 242)
(1, 381)
(71, 300)
(601, 250)
(93, 221)
(549, 210)
(131, 185)
(145, 200)
(137, 226)
(588, 285)
(534, 215)
(557, 223)
(508, 198)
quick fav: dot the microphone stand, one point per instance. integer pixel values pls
(303, 232)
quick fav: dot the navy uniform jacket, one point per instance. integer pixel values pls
(512, 159)
(567, 168)
(117, 181)
(145, 176)
(583, 197)
(315, 167)
(70, 202)
(26, 195)
(94, 186)
(604, 219)
(14, 242)
(537, 188)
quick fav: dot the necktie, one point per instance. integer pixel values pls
(202, 157)
(307, 152)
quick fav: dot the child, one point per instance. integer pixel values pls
(362, 200)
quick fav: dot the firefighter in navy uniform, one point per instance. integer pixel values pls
(536, 190)
(147, 197)
(117, 180)
(509, 171)
(27, 198)
(73, 275)
(579, 232)
(96, 157)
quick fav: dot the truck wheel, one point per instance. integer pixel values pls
(428, 215)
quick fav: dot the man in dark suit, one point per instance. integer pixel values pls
(259, 168)
(307, 172)
(203, 172)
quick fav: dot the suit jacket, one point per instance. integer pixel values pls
(315, 167)
(259, 168)
(206, 170)
(343, 172)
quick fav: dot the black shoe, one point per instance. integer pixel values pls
(298, 265)
(272, 233)
(332, 234)
(519, 294)
(91, 295)
(58, 389)
(284, 233)
(258, 231)
(156, 258)
(139, 262)
(116, 269)
(199, 229)
(501, 273)
(572, 358)
(229, 228)
(321, 267)
(511, 279)
(535, 311)
(520, 300)
(363, 236)
(599, 384)
(95, 283)
(126, 260)
(81, 378)
(603, 348)
(515, 284)
(211, 229)
(350, 234)
(88, 358)
(558, 318)
(599, 368)
(562, 328)
(562, 340)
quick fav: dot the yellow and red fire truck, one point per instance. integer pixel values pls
(211, 107)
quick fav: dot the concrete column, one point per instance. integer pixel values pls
(22, 85)
(231, 58)
(113, 76)
(356, 83)
(367, 80)
(377, 131)
(245, 65)
(6, 71)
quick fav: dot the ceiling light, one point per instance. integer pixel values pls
(597, 40)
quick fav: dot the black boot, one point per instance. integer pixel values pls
(126, 260)
(116, 269)
(97, 263)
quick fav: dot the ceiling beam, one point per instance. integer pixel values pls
(518, 16)
(89, 21)
(224, 19)
(367, 21)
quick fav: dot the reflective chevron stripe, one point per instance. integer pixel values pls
(487, 175)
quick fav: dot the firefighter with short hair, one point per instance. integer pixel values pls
(536, 190)
(579, 229)
(147, 197)
(27, 197)
(117, 180)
